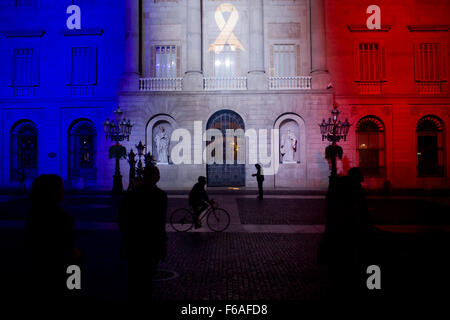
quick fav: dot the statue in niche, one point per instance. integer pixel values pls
(162, 145)
(288, 146)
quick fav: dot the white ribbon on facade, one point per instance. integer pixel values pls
(226, 29)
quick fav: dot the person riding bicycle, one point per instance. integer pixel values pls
(199, 200)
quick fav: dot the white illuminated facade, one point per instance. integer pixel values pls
(236, 64)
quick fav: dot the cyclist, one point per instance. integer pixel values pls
(199, 200)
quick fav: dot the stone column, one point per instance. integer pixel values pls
(256, 79)
(129, 80)
(193, 78)
(319, 72)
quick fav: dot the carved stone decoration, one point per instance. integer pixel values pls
(289, 141)
(161, 143)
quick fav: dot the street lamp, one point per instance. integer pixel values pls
(117, 130)
(334, 130)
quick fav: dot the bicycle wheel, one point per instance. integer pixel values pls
(218, 220)
(181, 220)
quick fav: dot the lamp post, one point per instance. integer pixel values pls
(117, 130)
(334, 130)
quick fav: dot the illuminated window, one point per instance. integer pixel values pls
(82, 151)
(24, 155)
(284, 60)
(370, 135)
(429, 67)
(166, 61)
(430, 146)
(225, 62)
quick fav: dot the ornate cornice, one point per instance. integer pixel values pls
(429, 28)
(363, 28)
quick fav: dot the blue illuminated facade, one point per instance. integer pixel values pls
(57, 87)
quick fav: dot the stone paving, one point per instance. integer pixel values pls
(266, 254)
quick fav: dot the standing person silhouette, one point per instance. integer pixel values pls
(142, 222)
(198, 200)
(259, 178)
(49, 239)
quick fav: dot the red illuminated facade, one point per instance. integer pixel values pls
(393, 82)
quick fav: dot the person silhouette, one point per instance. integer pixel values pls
(260, 179)
(346, 242)
(49, 239)
(199, 200)
(142, 222)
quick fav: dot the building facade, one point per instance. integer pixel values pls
(271, 70)
(57, 86)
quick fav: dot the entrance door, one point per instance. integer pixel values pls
(226, 175)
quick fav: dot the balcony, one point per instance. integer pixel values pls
(289, 83)
(160, 84)
(429, 87)
(224, 83)
(82, 90)
(23, 91)
(369, 87)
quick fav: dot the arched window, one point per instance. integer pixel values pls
(430, 146)
(371, 156)
(23, 150)
(82, 151)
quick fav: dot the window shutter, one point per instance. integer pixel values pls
(93, 61)
(152, 60)
(298, 70)
(178, 48)
(271, 62)
(417, 62)
(36, 66)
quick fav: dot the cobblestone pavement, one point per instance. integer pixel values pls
(269, 252)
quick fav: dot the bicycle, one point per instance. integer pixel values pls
(218, 219)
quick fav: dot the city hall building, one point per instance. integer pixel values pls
(275, 68)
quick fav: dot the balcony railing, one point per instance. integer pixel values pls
(82, 90)
(160, 84)
(429, 87)
(369, 87)
(290, 83)
(225, 83)
(23, 91)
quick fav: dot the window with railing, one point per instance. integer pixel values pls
(165, 69)
(371, 70)
(83, 75)
(371, 156)
(25, 71)
(430, 146)
(429, 70)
